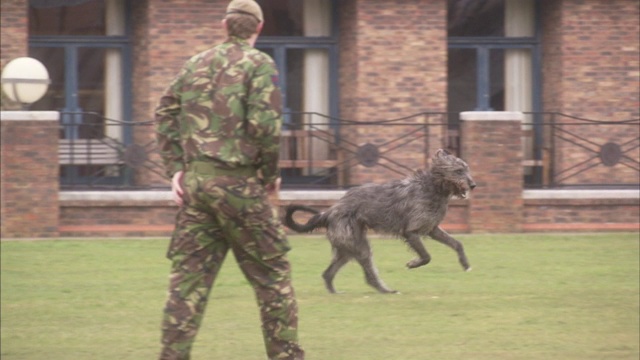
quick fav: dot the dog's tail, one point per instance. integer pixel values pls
(316, 221)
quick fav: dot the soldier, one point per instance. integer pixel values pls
(218, 128)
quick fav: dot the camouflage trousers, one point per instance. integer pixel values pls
(222, 213)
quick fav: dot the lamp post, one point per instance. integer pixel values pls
(25, 80)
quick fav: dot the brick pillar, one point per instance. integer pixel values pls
(492, 146)
(29, 176)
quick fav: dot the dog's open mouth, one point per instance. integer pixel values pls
(463, 193)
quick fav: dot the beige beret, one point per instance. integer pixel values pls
(248, 7)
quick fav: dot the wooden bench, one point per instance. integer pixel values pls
(89, 152)
(295, 149)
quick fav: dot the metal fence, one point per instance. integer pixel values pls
(571, 152)
(319, 151)
(100, 153)
(322, 152)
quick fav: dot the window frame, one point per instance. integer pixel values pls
(280, 45)
(71, 44)
(483, 46)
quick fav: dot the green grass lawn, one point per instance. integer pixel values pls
(537, 296)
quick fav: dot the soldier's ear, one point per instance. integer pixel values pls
(259, 28)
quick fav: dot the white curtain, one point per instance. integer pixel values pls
(317, 22)
(519, 22)
(115, 25)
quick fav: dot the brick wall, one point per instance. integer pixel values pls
(141, 83)
(13, 37)
(553, 62)
(29, 174)
(392, 64)
(591, 58)
(13, 29)
(117, 218)
(31, 207)
(492, 147)
(176, 31)
(166, 34)
(581, 214)
(591, 68)
(95, 218)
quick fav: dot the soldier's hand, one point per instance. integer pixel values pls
(274, 187)
(176, 188)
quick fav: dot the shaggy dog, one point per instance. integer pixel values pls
(406, 208)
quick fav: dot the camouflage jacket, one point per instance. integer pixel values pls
(225, 107)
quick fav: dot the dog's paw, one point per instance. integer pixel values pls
(417, 263)
(468, 269)
(388, 291)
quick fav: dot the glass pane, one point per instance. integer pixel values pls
(281, 18)
(296, 17)
(91, 72)
(67, 17)
(308, 82)
(53, 60)
(91, 75)
(295, 66)
(475, 18)
(305, 84)
(496, 79)
(462, 81)
(268, 51)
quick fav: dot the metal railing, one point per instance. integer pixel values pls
(100, 153)
(320, 151)
(572, 152)
(323, 152)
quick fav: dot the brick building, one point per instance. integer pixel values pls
(362, 61)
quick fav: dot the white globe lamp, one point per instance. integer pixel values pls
(25, 80)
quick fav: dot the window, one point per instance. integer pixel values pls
(493, 56)
(494, 61)
(301, 37)
(84, 45)
(67, 17)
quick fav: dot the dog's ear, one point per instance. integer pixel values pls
(442, 153)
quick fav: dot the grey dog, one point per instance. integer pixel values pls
(407, 208)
